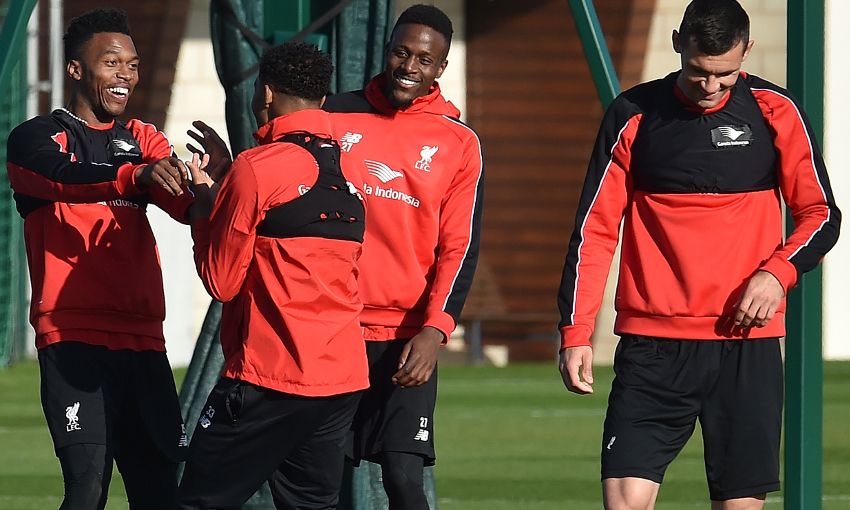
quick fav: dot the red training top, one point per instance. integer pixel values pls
(423, 176)
(291, 307)
(699, 196)
(94, 266)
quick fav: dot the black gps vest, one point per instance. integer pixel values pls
(331, 208)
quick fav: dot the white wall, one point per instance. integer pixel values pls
(836, 281)
(196, 94)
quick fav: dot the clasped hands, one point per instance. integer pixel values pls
(207, 166)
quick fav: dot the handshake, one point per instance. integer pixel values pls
(207, 166)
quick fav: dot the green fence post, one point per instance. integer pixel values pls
(595, 50)
(13, 92)
(12, 37)
(803, 343)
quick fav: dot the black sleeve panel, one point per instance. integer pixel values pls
(593, 240)
(463, 281)
(37, 146)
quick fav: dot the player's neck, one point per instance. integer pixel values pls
(81, 110)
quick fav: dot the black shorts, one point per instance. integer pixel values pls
(735, 390)
(248, 434)
(391, 418)
(121, 399)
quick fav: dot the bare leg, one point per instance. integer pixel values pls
(751, 503)
(629, 493)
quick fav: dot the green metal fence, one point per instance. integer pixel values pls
(804, 340)
(13, 100)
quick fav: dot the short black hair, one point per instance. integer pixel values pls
(84, 26)
(428, 15)
(716, 26)
(297, 69)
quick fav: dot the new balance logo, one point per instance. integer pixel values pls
(206, 418)
(183, 442)
(348, 140)
(731, 136)
(423, 434)
(611, 442)
(384, 173)
(73, 420)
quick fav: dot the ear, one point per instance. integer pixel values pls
(75, 70)
(442, 68)
(677, 44)
(268, 95)
(747, 49)
(322, 101)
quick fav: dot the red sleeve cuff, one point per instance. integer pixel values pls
(575, 336)
(783, 270)
(125, 179)
(442, 321)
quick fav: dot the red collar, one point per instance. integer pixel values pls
(375, 95)
(311, 120)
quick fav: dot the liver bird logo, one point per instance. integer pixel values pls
(425, 156)
(71, 413)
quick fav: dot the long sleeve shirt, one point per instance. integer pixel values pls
(698, 195)
(291, 306)
(93, 261)
(423, 175)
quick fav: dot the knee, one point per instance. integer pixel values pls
(86, 476)
(629, 493)
(403, 482)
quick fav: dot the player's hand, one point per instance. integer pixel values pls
(758, 303)
(203, 187)
(576, 367)
(166, 173)
(198, 171)
(214, 146)
(418, 358)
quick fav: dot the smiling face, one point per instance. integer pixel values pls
(104, 77)
(416, 56)
(706, 79)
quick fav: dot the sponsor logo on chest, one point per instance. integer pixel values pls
(385, 174)
(123, 148)
(731, 136)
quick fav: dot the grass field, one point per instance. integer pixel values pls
(507, 438)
